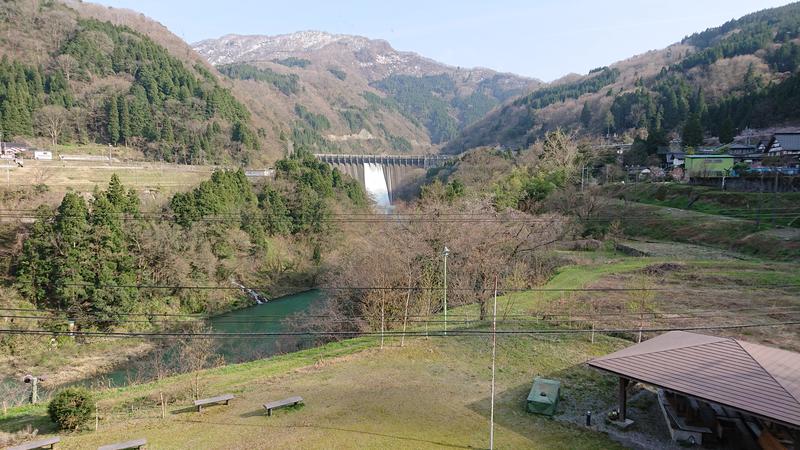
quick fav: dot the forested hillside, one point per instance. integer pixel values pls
(712, 84)
(74, 79)
(87, 257)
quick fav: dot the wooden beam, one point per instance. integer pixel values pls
(623, 399)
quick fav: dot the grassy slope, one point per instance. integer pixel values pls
(713, 201)
(680, 225)
(430, 393)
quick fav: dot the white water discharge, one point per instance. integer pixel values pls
(375, 182)
(250, 293)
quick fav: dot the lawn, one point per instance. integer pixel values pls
(430, 393)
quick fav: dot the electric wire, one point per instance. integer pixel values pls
(434, 333)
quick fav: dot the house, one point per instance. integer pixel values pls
(42, 154)
(709, 165)
(784, 144)
(709, 150)
(739, 149)
(672, 156)
(11, 150)
(713, 388)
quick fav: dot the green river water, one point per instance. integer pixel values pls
(264, 318)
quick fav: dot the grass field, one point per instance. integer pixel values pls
(431, 393)
(427, 394)
(84, 175)
(45, 182)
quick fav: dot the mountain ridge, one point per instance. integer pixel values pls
(319, 40)
(404, 101)
(727, 76)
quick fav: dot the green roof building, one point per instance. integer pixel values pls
(708, 165)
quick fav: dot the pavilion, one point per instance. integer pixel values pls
(710, 385)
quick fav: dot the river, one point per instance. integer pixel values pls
(264, 318)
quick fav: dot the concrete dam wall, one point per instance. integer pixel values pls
(383, 176)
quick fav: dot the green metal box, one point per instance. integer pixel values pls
(544, 395)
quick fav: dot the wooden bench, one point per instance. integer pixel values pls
(136, 443)
(41, 443)
(291, 401)
(213, 400)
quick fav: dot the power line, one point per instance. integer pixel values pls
(437, 333)
(532, 316)
(400, 288)
(456, 219)
(410, 213)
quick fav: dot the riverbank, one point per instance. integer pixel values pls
(115, 362)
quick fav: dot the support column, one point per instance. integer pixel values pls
(623, 399)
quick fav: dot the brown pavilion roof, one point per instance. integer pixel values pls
(753, 378)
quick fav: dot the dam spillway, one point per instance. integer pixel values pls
(382, 176)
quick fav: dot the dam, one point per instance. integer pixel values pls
(383, 175)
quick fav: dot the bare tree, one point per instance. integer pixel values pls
(52, 119)
(56, 23)
(67, 64)
(41, 175)
(411, 256)
(559, 152)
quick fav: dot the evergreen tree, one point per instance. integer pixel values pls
(124, 120)
(113, 266)
(116, 194)
(726, 131)
(113, 120)
(138, 110)
(35, 263)
(167, 135)
(586, 115)
(276, 218)
(656, 137)
(752, 81)
(693, 131)
(71, 262)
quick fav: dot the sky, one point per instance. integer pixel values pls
(537, 38)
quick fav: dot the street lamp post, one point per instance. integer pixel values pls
(445, 253)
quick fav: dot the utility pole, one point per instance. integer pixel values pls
(494, 354)
(405, 315)
(446, 252)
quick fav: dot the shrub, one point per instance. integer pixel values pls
(71, 408)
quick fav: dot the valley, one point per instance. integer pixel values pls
(192, 232)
